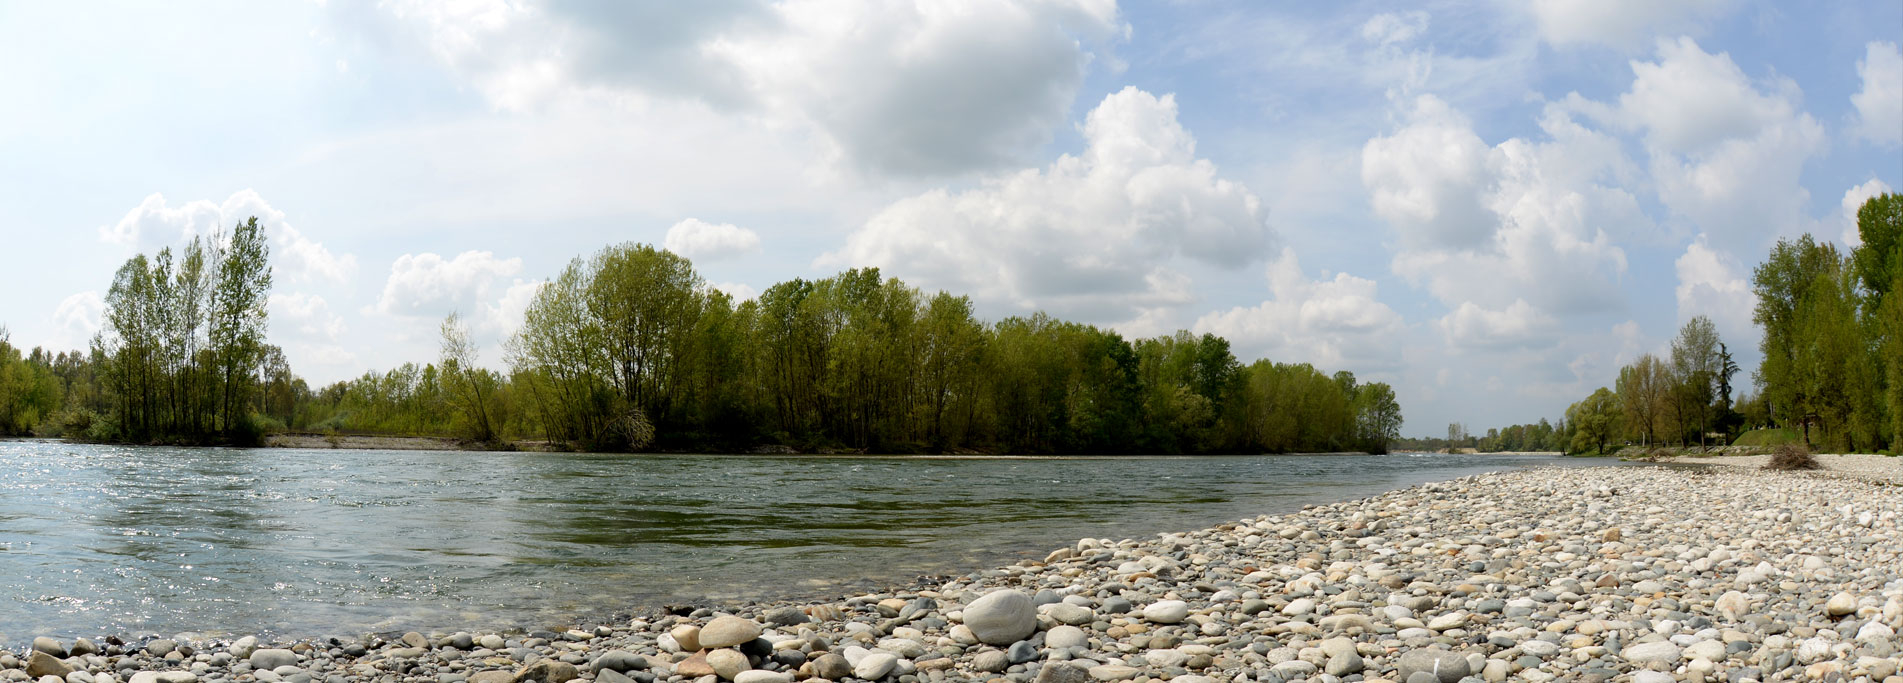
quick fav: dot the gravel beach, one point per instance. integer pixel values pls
(1596, 574)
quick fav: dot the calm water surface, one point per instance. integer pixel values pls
(101, 540)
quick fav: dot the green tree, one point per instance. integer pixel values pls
(471, 388)
(1594, 420)
(239, 318)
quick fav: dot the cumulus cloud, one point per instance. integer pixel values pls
(1621, 24)
(1712, 284)
(1523, 220)
(928, 87)
(1853, 200)
(508, 313)
(155, 223)
(1092, 236)
(1519, 325)
(1426, 179)
(309, 331)
(1725, 153)
(305, 316)
(698, 239)
(75, 320)
(428, 285)
(1880, 103)
(740, 291)
(1336, 322)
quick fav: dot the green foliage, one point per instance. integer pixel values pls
(1595, 420)
(630, 350)
(1768, 437)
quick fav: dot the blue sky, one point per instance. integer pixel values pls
(1491, 206)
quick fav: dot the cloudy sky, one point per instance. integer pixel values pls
(1490, 206)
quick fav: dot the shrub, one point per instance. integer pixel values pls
(1792, 456)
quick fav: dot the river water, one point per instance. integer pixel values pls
(99, 540)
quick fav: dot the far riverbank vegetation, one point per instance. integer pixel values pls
(1831, 375)
(631, 350)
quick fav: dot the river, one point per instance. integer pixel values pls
(99, 540)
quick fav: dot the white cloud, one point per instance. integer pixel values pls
(1336, 322)
(428, 285)
(1521, 220)
(508, 313)
(1853, 200)
(1517, 326)
(740, 291)
(305, 316)
(154, 223)
(698, 239)
(917, 88)
(1880, 103)
(1092, 236)
(1619, 23)
(75, 321)
(1392, 28)
(310, 333)
(1426, 178)
(1725, 154)
(1711, 284)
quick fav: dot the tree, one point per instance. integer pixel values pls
(1782, 284)
(1377, 417)
(1696, 364)
(1643, 389)
(239, 318)
(1595, 420)
(470, 387)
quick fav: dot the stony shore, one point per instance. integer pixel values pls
(1594, 574)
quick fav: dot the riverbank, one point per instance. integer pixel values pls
(312, 440)
(1645, 574)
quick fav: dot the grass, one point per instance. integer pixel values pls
(1768, 437)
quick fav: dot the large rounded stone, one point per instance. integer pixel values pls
(1166, 612)
(727, 632)
(1443, 665)
(1065, 637)
(619, 661)
(546, 670)
(1001, 617)
(49, 646)
(687, 636)
(1664, 652)
(271, 658)
(832, 666)
(878, 664)
(41, 664)
(727, 663)
(1841, 604)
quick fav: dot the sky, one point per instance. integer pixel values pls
(1490, 206)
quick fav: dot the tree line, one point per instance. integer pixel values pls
(630, 349)
(1832, 365)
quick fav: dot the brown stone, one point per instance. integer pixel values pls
(548, 670)
(695, 666)
(41, 664)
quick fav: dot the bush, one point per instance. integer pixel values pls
(1792, 456)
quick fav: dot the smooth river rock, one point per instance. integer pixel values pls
(1001, 617)
(1166, 612)
(726, 632)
